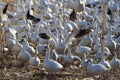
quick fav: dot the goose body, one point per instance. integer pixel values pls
(24, 55)
(88, 41)
(29, 48)
(96, 69)
(11, 43)
(104, 62)
(17, 47)
(110, 43)
(83, 49)
(34, 61)
(115, 62)
(70, 58)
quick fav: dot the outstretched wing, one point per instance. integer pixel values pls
(82, 33)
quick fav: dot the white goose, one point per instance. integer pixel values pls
(28, 48)
(34, 35)
(69, 58)
(99, 52)
(104, 62)
(110, 43)
(24, 55)
(17, 47)
(35, 61)
(41, 47)
(82, 49)
(96, 46)
(87, 40)
(51, 65)
(96, 69)
(115, 62)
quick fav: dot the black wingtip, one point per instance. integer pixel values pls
(5, 9)
(44, 36)
(82, 33)
(109, 12)
(31, 17)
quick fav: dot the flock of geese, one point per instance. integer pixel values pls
(64, 31)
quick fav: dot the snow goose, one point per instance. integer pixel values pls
(99, 52)
(87, 40)
(82, 49)
(110, 43)
(24, 55)
(115, 62)
(11, 43)
(59, 45)
(96, 69)
(41, 47)
(34, 61)
(51, 65)
(70, 59)
(17, 47)
(34, 34)
(104, 62)
(96, 45)
(55, 56)
(28, 48)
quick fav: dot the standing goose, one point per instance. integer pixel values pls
(35, 61)
(41, 47)
(49, 64)
(82, 49)
(104, 62)
(115, 62)
(24, 55)
(28, 48)
(110, 43)
(69, 58)
(17, 47)
(96, 69)
(88, 41)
